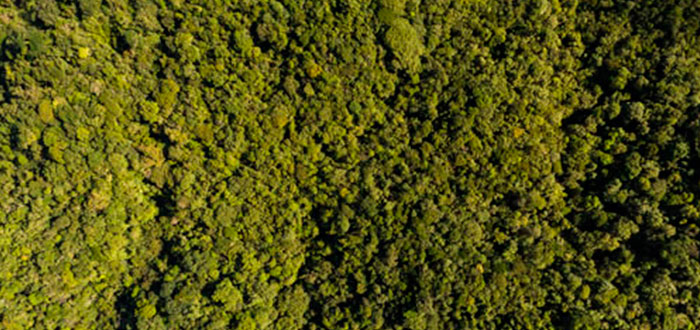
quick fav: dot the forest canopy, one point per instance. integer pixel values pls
(349, 164)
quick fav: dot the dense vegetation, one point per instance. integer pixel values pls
(349, 164)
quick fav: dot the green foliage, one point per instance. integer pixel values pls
(390, 164)
(405, 43)
(229, 296)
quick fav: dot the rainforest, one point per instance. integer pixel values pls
(349, 164)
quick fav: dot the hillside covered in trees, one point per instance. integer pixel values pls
(349, 164)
